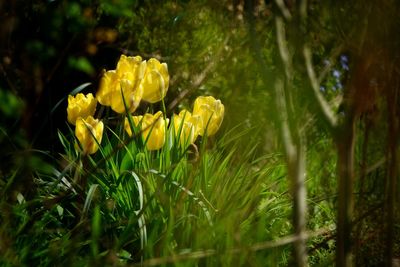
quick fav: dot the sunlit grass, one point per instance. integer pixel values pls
(208, 204)
(213, 201)
(126, 204)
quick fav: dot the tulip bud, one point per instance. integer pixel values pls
(89, 133)
(187, 127)
(152, 129)
(80, 106)
(211, 112)
(155, 81)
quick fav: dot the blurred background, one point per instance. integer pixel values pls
(49, 48)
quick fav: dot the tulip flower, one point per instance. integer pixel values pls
(131, 95)
(124, 81)
(89, 133)
(187, 127)
(108, 84)
(211, 112)
(152, 129)
(155, 81)
(80, 106)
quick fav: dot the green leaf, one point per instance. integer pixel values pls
(81, 64)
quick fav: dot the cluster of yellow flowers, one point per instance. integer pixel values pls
(123, 89)
(88, 131)
(206, 118)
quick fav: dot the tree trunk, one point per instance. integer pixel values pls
(296, 167)
(345, 146)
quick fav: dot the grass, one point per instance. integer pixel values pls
(218, 202)
(214, 205)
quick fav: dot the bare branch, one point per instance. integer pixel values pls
(294, 145)
(282, 46)
(285, 11)
(199, 79)
(323, 104)
(284, 121)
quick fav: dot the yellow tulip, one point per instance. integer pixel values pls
(86, 131)
(131, 95)
(124, 81)
(211, 112)
(80, 106)
(152, 128)
(108, 84)
(188, 126)
(155, 81)
(131, 68)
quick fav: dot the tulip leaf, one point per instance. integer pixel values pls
(89, 198)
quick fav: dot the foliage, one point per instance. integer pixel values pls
(219, 200)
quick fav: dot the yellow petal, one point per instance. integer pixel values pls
(164, 72)
(153, 129)
(131, 68)
(89, 133)
(211, 112)
(153, 87)
(109, 83)
(128, 64)
(187, 127)
(127, 127)
(155, 81)
(127, 76)
(128, 93)
(80, 106)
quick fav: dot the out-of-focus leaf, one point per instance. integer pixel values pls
(10, 105)
(81, 64)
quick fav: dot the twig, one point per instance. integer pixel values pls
(198, 80)
(294, 145)
(285, 11)
(323, 104)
